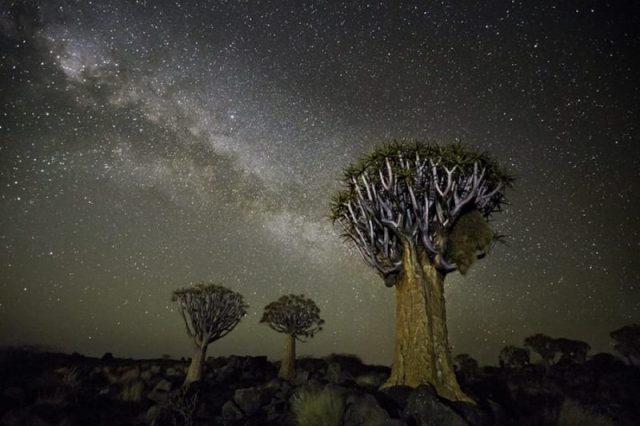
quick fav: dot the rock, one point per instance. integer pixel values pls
(499, 415)
(160, 392)
(473, 414)
(22, 417)
(225, 373)
(364, 410)
(214, 399)
(16, 394)
(230, 411)
(302, 377)
(152, 414)
(171, 371)
(426, 409)
(204, 412)
(146, 375)
(336, 375)
(394, 399)
(249, 399)
(317, 368)
(372, 379)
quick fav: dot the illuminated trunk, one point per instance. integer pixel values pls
(288, 364)
(197, 365)
(422, 353)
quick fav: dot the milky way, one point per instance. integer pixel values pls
(149, 145)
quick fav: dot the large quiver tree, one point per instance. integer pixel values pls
(298, 318)
(209, 312)
(417, 212)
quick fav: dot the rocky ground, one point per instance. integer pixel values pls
(40, 388)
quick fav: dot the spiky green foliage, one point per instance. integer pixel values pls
(209, 311)
(415, 193)
(318, 407)
(294, 315)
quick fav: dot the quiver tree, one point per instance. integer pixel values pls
(209, 312)
(417, 212)
(513, 357)
(627, 342)
(544, 346)
(466, 366)
(574, 351)
(298, 318)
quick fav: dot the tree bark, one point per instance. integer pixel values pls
(288, 364)
(197, 365)
(422, 354)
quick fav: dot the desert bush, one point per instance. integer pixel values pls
(69, 376)
(58, 396)
(318, 407)
(372, 379)
(574, 414)
(132, 391)
(129, 374)
(178, 409)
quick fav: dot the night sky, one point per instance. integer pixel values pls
(149, 145)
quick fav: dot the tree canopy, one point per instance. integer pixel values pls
(294, 315)
(627, 341)
(415, 193)
(209, 311)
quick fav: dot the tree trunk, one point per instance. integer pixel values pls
(288, 364)
(422, 353)
(197, 365)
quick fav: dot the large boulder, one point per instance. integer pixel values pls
(475, 415)
(249, 399)
(363, 409)
(336, 374)
(230, 411)
(160, 392)
(425, 408)
(394, 399)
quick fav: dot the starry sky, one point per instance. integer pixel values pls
(149, 145)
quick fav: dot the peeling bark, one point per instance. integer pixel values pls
(422, 353)
(288, 364)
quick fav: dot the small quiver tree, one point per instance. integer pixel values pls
(298, 318)
(544, 346)
(513, 357)
(417, 212)
(466, 366)
(209, 312)
(627, 342)
(572, 351)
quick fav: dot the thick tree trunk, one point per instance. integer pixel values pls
(197, 365)
(422, 353)
(288, 364)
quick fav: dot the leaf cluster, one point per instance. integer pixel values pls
(295, 315)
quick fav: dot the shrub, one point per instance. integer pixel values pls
(132, 391)
(318, 407)
(178, 409)
(574, 414)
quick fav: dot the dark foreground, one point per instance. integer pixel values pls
(40, 388)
